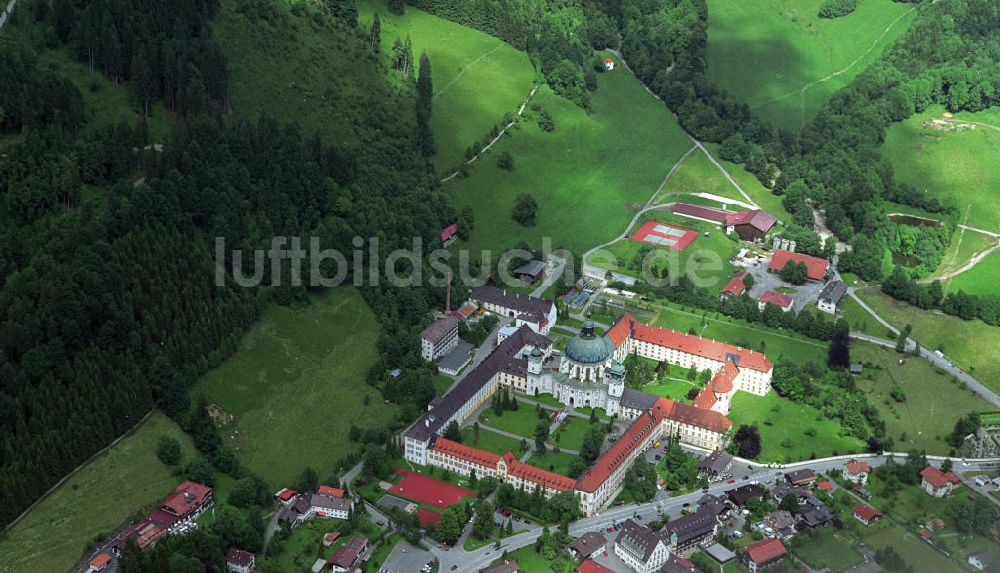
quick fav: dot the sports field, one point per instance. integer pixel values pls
(962, 341)
(783, 425)
(428, 490)
(785, 61)
(933, 402)
(297, 384)
(477, 77)
(96, 500)
(588, 175)
(957, 165)
(706, 257)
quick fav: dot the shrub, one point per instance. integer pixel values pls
(837, 8)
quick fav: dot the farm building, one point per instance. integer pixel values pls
(816, 267)
(782, 301)
(832, 294)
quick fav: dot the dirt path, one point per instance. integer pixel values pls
(465, 69)
(956, 120)
(802, 91)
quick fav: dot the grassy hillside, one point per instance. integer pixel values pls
(958, 166)
(933, 402)
(296, 385)
(121, 482)
(785, 61)
(587, 175)
(477, 78)
(964, 342)
(980, 279)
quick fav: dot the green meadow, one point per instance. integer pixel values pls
(958, 166)
(521, 421)
(124, 481)
(588, 175)
(477, 77)
(297, 384)
(962, 341)
(964, 245)
(933, 402)
(980, 279)
(783, 425)
(785, 61)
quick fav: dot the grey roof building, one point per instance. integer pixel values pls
(716, 464)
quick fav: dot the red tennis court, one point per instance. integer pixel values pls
(428, 517)
(428, 490)
(664, 235)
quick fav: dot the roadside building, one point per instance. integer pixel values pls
(239, 561)
(346, 557)
(719, 553)
(716, 465)
(530, 271)
(763, 554)
(505, 566)
(641, 548)
(938, 483)
(588, 544)
(832, 294)
(685, 533)
(439, 338)
(804, 476)
(741, 495)
(780, 300)
(857, 472)
(735, 287)
(99, 563)
(609, 64)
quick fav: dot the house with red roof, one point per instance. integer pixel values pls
(938, 483)
(866, 514)
(735, 286)
(609, 64)
(750, 225)
(189, 500)
(99, 563)
(857, 472)
(449, 233)
(816, 268)
(781, 300)
(591, 566)
(763, 554)
(285, 495)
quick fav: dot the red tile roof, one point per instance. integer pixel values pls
(449, 231)
(330, 491)
(825, 485)
(937, 478)
(608, 60)
(463, 452)
(701, 212)
(815, 267)
(286, 494)
(722, 382)
(735, 286)
(766, 550)
(866, 512)
(757, 218)
(855, 467)
(704, 400)
(782, 300)
(591, 566)
(688, 414)
(514, 467)
(186, 498)
(627, 326)
(100, 561)
(616, 455)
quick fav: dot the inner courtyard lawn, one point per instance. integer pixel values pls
(522, 421)
(571, 433)
(587, 176)
(933, 402)
(962, 341)
(783, 425)
(297, 384)
(552, 461)
(490, 441)
(121, 482)
(765, 53)
(477, 78)
(956, 166)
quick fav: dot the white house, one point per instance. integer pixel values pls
(832, 294)
(239, 561)
(439, 338)
(609, 64)
(641, 548)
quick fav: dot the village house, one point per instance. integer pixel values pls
(588, 544)
(749, 225)
(763, 554)
(801, 477)
(780, 300)
(346, 557)
(239, 561)
(981, 559)
(716, 465)
(609, 64)
(641, 548)
(938, 483)
(537, 314)
(99, 563)
(832, 294)
(741, 495)
(687, 532)
(735, 287)
(857, 472)
(782, 522)
(866, 514)
(505, 566)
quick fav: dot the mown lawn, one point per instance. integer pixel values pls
(296, 385)
(522, 421)
(956, 166)
(933, 402)
(705, 259)
(828, 549)
(772, 342)
(967, 343)
(476, 77)
(587, 175)
(571, 433)
(964, 245)
(980, 279)
(490, 441)
(783, 425)
(552, 461)
(124, 481)
(766, 53)
(673, 389)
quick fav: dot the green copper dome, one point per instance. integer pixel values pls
(588, 348)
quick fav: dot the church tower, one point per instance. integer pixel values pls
(616, 385)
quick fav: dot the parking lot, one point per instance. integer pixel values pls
(406, 558)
